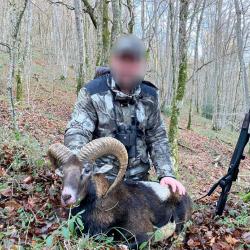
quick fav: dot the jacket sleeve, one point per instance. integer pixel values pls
(81, 126)
(157, 143)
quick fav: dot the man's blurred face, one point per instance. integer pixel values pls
(127, 70)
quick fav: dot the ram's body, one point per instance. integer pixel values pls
(136, 208)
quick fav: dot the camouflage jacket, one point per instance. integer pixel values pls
(101, 107)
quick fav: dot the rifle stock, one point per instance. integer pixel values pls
(226, 182)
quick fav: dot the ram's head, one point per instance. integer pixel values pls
(76, 170)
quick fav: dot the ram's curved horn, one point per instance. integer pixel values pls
(106, 146)
(59, 152)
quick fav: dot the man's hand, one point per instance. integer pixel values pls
(174, 184)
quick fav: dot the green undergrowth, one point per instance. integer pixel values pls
(19, 150)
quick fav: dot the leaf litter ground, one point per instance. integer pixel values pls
(30, 204)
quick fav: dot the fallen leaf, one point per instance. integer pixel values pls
(2, 172)
(164, 232)
(28, 180)
(6, 192)
(123, 247)
(229, 239)
(212, 241)
(12, 205)
(193, 243)
(221, 246)
(246, 237)
(209, 234)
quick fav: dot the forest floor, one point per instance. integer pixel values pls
(29, 190)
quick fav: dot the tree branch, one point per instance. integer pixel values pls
(62, 3)
(90, 11)
(6, 45)
(19, 20)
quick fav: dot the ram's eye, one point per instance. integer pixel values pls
(87, 170)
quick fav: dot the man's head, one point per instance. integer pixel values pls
(128, 61)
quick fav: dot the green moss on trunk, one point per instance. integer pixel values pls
(173, 130)
(19, 87)
(182, 78)
(105, 33)
(174, 120)
(80, 79)
(190, 113)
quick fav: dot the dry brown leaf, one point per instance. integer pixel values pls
(209, 234)
(28, 180)
(212, 241)
(221, 246)
(2, 172)
(193, 243)
(6, 192)
(230, 240)
(12, 205)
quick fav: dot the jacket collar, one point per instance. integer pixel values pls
(119, 95)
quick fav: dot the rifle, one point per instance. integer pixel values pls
(226, 181)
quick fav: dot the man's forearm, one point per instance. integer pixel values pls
(161, 158)
(158, 147)
(74, 140)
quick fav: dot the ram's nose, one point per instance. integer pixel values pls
(66, 197)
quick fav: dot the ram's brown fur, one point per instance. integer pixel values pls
(119, 209)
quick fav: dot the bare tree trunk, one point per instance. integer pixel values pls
(243, 72)
(194, 79)
(131, 22)
(58, 41)
(116, 29)
(99, 34)
(15, 23)
(217, 119)
(156, 47)
(80, 42)
(168, 94)
(143, 19)
(105, 33)
(27, 57)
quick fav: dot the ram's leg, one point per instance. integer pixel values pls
(139, 239)
(183, 213)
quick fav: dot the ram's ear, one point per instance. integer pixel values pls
(53, 160)
(104, 169)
